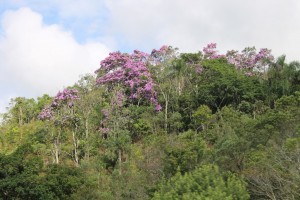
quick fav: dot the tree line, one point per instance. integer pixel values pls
(160, 125)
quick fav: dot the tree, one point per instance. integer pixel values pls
(21, 111)
(283, 79)
(184, 153)
(273, 173)
(201, 117)
(20, 177)
(61, 113)
(129, 70)
(205, 182)
(88, 110)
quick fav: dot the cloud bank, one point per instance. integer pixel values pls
(36, 58)
(191, 24)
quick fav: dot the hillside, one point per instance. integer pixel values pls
(160, 125)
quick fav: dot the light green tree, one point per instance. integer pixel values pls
(205, 182)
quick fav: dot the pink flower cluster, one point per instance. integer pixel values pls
(104, 130)
(199, 69)
(46, 113)
(131, 71)
(250, 60)
(105, 113)
(118, 99)
(210, 51)
(244, 60)
(264, 55)
(163, 54)
(66, 97)
(247, 60)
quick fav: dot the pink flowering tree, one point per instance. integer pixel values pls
(132, 78)
(162, 55)
(211, 52)
(248, 61)
(131, 72)
(61, 113)
(128, 78)
(63, 100)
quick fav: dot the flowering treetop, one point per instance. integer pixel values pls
(164, 53)
(247, 60)
(210, 51)
(131, 71)
(66, 97)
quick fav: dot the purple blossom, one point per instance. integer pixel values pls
(158, 107)
(46, 114)
(130, 70)
(148, 86)
(114, 60)
(199, 69)
(264, 56)
(249, 60)
(105, 113)
(118, 99)
(66, 97)
(164, 53)
(210, 51)
(139, 56)
(104, 130)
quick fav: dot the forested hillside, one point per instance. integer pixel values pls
(160, 125)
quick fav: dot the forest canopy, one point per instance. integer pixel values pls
(160, 125)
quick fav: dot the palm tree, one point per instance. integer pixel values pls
(283, 79)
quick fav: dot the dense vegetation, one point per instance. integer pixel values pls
(160, 126)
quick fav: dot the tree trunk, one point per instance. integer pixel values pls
(20, 116)
(87, 152)
(75, 145)
(166, 115)
(21, 122)
(56, 150)
(120, 161)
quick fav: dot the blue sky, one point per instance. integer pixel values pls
(45, 45)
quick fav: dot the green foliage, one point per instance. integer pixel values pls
(63, 181)
(202, 117)
(205, 182)
(283, 79)
(184, 152)
(218, 128)
(22, 176)
(273, 173)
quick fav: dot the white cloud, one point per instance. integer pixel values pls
(4, 103)
(188, 24)
(66, 8)
(36, 58)
(86, 18)
(191, 24)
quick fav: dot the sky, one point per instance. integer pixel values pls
(47, 45)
